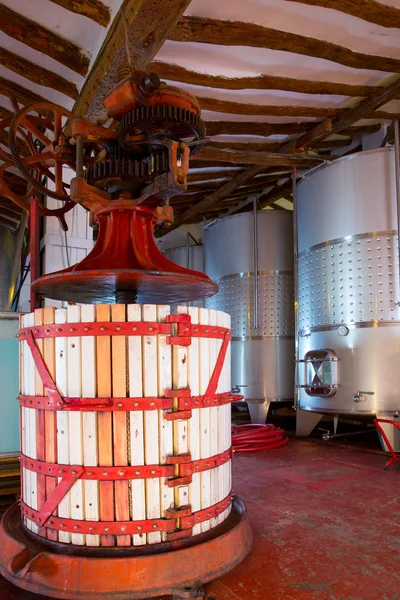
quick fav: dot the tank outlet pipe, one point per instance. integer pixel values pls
(296, 293)
(255, 263)
(396, 128)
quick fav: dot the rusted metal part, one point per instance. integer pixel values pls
(125, 258)
(40, 566)
(177, 522)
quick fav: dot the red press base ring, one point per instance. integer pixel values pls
(73, 572)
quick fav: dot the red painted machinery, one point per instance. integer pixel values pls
(125, 175)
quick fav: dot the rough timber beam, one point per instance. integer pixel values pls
(236, 33)
(267, 159)
(368, 10)
(237, 108)
(44, 40)
(92, 9)
(267, 129)
(22, 95)
(260, 82)
(149, 23)
(37, 74)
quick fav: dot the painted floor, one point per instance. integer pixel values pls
(326, 527)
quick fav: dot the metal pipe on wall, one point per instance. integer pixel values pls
(255, 263)
(396, 127)
(296, 291)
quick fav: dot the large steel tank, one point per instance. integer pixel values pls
(262, 323)
(8, 252)
(348, 288)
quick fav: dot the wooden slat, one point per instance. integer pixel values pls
(214, 421)
(64, 508)
(205, 416)
(164, 372)
(120, 424)
(135, 363)
(90, 436)
(151, 422)
(238, 108)
(208, 175)
(235, 33)
(50, 417)
(103, 358)
(267, 129)
(33, 34)
(149, 23)
(92, 9)
(368, 10)
(40, 426)
(74, 379)
(181, 426)
(37, 74)
(260, 158)
(260, 82)
(32, 427)
(194, 422)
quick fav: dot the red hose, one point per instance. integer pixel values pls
(255, 438)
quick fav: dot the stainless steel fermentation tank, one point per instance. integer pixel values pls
(190, 256)
(348, 290)
(262, 323)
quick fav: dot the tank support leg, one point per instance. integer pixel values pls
(258, 411)
(306, 421)
(196, 593)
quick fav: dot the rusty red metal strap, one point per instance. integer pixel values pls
(186, 468)
(185, 464)
(186, 402)
(178, 523)
(184, 330)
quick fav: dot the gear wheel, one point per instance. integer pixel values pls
(164, 120)
(121, 169)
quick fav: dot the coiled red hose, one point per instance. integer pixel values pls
(255, 438)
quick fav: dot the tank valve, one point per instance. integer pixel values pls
(359, 396)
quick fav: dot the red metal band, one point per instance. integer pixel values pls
(185, 403)
(178, 522)
(186, 467)
(184, 329)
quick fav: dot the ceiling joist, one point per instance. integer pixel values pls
(261, 82)
(149, 24)
(92, 9)
(236, 33)
(44, 40)
(21, 94)
(368, 10)
(37, 74)
(267, 129)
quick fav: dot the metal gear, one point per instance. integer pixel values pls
(169, 121)
(121, 167)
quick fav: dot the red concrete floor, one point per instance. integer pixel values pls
(326, 527)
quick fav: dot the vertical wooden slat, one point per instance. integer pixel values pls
(64, 508)
(50, 425)
(136, 423)
(75, 420)
(194, 422)
(103, 353)
(25, 415)
(222, 423)
(32, 426)
(179, 381)
(22, 412)
(40, 425)
(205, 417)
(151, 422)
(228, 413)
(164, 358)
(90, 439)
(119, 389)
(214, 347)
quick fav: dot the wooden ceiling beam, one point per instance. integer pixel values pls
(37, 74)
(22, 95)
(267, 159)
(239, 108)
(209, 175)
(275, 194)
(149, 23)
(34, 35)
(368, 10)
(268, 147)
(92, 9)
(236, 33)
(173, 72)
(267, 129)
